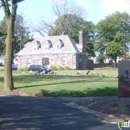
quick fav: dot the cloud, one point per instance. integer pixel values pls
(110, 6)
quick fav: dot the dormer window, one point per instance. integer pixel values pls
(47, 45)
(59, 44)
(36, 46)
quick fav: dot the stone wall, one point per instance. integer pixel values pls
(54, 60)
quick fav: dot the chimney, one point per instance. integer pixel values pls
(81, 33)
(82, 41)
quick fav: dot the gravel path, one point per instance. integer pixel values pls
(119, 107)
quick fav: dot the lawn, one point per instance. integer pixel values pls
(68, 84)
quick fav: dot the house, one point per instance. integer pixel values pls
(59, 51)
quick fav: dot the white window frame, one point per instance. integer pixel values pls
(47, 45)
(63, 61)
(58, 46)
(28, 61)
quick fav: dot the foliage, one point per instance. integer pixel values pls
(21, 34)
(3, 27)
(99, 57)
(114, 50)
(54, 68)
(112, 30)
(23, 69)
(61, 68)
(67, 68)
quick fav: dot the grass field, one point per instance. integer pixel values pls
(67, 85)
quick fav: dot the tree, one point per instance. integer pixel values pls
(112, 30)
(61, 9)
(114, 50)
(21, 34)
(10, 14)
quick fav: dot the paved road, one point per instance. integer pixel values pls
(38, 113)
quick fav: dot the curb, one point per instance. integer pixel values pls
(107, 118)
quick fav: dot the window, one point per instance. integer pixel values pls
(63, 61)
(47, 45)
(28, 61)
(59, 44)
(36, 46)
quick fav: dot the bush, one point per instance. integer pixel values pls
(61, 68)
(54, 68)
(67, 68)
(23, 69)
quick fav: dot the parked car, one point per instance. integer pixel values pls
(39, 68)
(14, 67)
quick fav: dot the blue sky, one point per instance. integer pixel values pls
(32, 10)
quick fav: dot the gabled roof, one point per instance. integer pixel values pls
(69, 45)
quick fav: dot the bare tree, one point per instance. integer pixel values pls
(60, 9)
(10, 14)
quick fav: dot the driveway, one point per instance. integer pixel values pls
(41, 113)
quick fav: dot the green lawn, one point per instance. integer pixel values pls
(67, 85)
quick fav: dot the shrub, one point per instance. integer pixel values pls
(68, 68)
(23, 69)
(54, 68)
(61, 68)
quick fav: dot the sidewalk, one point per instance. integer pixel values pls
(110, 120)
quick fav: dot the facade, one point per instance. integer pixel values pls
(59, 51)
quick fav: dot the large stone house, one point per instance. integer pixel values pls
(54, 51)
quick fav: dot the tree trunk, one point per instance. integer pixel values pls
(10, 15)
(8, 78)
(115, 63)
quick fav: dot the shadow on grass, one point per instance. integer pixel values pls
(106, 91)
(51, 80)
(32, 78)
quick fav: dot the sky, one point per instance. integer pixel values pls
(96, 10)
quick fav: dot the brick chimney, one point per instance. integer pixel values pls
(82, 41)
